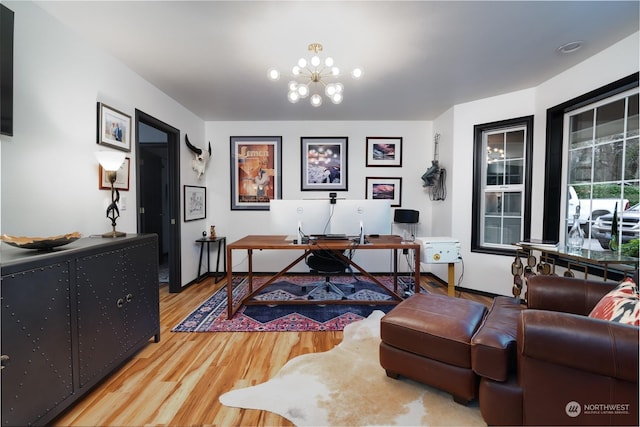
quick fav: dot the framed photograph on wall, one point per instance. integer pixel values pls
(122, 177)
(114, 128)
(324, 163)
(195, 203)
(256, 171)
(383, 188)
(384, 151)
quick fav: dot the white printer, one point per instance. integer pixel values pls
(439, 250)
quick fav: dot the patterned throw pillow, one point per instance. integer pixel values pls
(621, 304)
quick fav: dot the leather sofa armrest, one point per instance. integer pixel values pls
(592, 345)
(565, 294)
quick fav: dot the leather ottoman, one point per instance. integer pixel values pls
(427, 338)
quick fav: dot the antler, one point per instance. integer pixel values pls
(193, 148)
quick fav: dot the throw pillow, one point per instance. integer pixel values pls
(621, 304)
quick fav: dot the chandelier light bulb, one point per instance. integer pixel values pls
(273, 74)
(335, 71)
(316, 100)
(315, 61)
(293, 85)
(328, 61)
(293, 97)
(339, 87)
(295, 71)
(303, 90)
(336, 98)
(357, 73)
(302, 62)
(330, 90)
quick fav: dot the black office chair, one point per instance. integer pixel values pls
(327, 262)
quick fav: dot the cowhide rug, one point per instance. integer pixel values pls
(346, 386)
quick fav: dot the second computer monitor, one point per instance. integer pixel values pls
(348, 216)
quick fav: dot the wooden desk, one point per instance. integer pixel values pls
(279, 242)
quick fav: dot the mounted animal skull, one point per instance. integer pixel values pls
(201, 157)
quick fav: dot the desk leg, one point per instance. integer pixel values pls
(416, 273)
(451, 288)
(220, 248)
(250, 273)
(229, 287)
(395, 270)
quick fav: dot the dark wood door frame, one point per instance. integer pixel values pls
(173, 164)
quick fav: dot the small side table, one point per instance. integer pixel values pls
(222, 248)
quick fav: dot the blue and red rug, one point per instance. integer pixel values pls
(211, 316)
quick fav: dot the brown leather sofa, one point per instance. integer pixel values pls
(550, 364)
(544, 363)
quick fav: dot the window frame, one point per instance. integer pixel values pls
(479, 176)
(555, 152)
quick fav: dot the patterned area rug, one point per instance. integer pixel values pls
(211, 316)
(346, 386)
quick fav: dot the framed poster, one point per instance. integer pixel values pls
(324, 163)
(122, 177)
(256, 171)
(195, 203)
(114, 128)
(384, 151)
(382, 188)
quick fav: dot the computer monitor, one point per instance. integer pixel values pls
(312, 215)
(348, 215)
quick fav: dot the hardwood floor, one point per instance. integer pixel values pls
(177, 381)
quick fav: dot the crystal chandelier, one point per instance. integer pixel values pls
(310, 77)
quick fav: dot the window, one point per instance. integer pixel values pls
(501, 197)
(556, 156)
(601, 140)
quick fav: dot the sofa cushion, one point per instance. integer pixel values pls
(493, 347)
(619, 305)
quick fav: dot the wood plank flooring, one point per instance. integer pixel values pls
(177, 381)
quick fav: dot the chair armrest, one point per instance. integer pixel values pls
(592, 345)
(565, 294)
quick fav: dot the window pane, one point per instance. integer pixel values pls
(581, 129)
(608, 162)
(631, 160)
(513, 204)
(493, 203)
(515, 144)
(492, 230)
(632, 121)
(610, 121)
(580, 165)
(514, 172)
(495, 173)
(511, 230)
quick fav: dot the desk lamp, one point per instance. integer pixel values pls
(111, 162)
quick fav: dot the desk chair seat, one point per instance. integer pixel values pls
(327, 262)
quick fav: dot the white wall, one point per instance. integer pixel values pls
(492, 273)
(49, 171)
(416, 157)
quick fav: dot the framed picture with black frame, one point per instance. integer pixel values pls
(256, 171)
(114, 128)
(324, 163)
(384, 151)
(385, 188)
(195, 202)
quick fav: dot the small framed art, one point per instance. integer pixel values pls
(324, 163)
(122, 177)
(114, 128)
(384, 151)
(383, 188)
(195, 202)
(256, 171)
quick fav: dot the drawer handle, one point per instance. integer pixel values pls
(129, 297)
(3, 359)
(120, 303)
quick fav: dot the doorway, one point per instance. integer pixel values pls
(158, 195)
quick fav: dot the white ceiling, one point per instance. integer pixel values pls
(420, 57)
